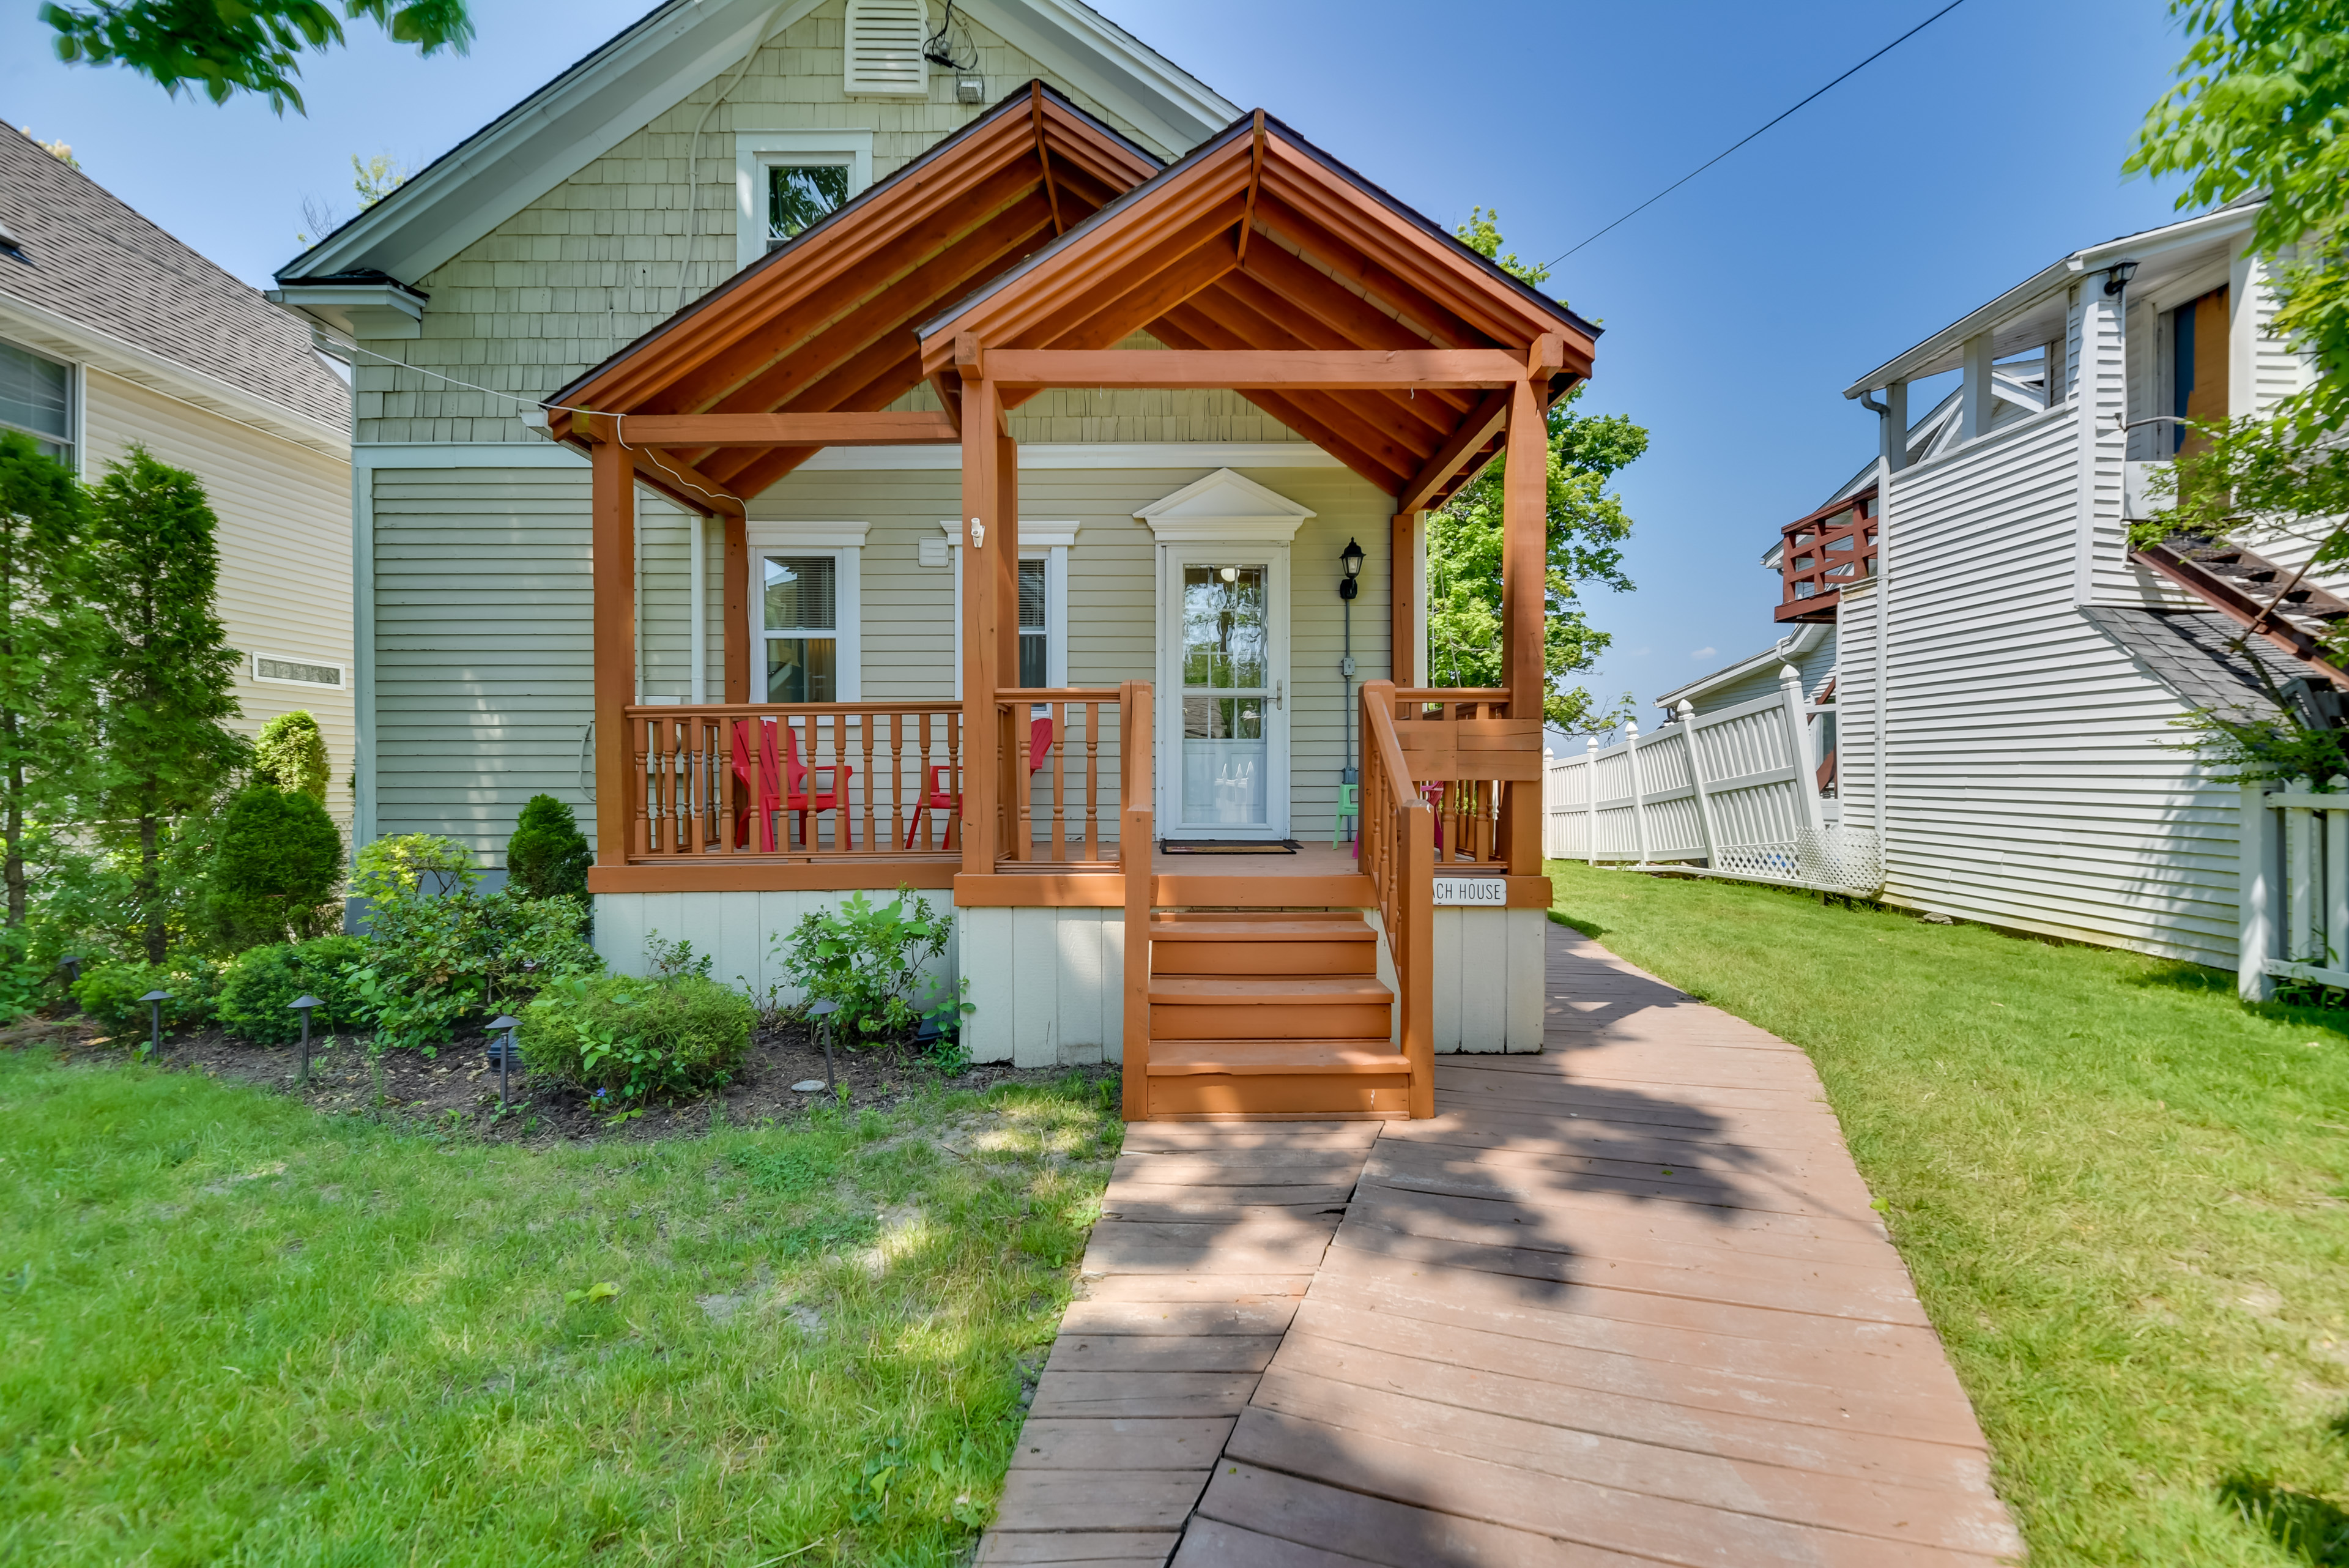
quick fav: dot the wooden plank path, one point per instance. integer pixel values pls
(1624, 1302)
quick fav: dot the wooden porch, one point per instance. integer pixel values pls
(1257, 989)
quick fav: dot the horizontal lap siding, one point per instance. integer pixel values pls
(284, 542)
(483, 682)
(2034, 779)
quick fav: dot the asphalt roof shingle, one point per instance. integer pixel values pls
(88, 257)
(2191, 652)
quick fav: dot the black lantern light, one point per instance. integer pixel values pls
(155, 1000)
(1350, 558)
(303, 1004)
(502, 1048)
(2118, 275)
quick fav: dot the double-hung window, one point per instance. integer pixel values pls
(36, 398)
(800, 627)
(1043, 600)
(1035, 626)
(787, 181)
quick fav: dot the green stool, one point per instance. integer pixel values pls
(1349, 809)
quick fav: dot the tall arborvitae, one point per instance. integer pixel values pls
(170, 673)
(48, 647)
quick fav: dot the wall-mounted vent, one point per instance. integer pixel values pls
(885, 49)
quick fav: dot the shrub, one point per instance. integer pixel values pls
(276, 864)
(867, 960)
(435, 962)
(547, 858)
(637, 1039)
(109, 993)
(291, 754)
(257, 996)
(408, 865)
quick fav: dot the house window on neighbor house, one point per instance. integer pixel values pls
(269, 666)
(799, 603)
(2198, 379)
(800, 194)
(36, 398)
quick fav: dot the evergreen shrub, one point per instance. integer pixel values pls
(291, 754)
(277, 862)
(256, 999)
(109, 993)
(547, 856)
(637, 1039)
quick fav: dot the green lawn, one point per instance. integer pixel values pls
(233, 1332)
(2122, 1193)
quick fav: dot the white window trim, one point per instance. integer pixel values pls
(1050, 543)
(76, 408)
(342, 672)
(754, 150)
(845, 543)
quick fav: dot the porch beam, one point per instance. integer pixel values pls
(1468, 442)
(787, 429)
(612, 535)
(1280, 370)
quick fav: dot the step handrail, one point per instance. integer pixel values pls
(1398, 843)
(1134, 847)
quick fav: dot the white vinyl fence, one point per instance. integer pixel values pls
(2294, 901)
(1733, 792)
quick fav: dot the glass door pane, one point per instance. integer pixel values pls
(1227, 687)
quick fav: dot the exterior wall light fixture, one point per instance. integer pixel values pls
(2118, 275)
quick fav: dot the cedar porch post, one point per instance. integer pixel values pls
(613, 551)
(981, 650)
(1524, 554)
(1404, 654)
(735, 639)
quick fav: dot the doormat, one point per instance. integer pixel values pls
(1229, 845)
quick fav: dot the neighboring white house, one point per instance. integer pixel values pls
(2002, 675)
(113, 334)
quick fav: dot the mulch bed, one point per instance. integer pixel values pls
(458, 1091)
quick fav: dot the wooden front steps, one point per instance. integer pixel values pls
(1271, 1016)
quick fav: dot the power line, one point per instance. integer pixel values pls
(1741, 141)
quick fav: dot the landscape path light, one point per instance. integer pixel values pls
(503, 1050)
(303, 1004)
(71, 964)
(155, 1000)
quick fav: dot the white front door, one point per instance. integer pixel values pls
(1223, 683)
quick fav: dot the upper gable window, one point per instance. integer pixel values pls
(800, 194)
(885, 49)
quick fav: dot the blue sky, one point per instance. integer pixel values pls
(1737, 309)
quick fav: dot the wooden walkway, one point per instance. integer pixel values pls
(1621, 1304)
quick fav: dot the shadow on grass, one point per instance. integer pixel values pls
(1591, 928)
(2311, 1530)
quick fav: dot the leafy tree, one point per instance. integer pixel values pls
(2260, 108)
(292, 754)
(48, 647)
(1587, 527)
(228, 46)
(276, 862)
(548, 857)
(168, 671)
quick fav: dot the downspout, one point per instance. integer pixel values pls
(1881, 784)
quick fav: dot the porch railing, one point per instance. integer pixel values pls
(792, 781)
(2293, 904)
(1468, 758)
(1399, 855)
(1053, 807)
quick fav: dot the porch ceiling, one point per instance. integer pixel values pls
(1258, 241)
(825, 324)
(1039, 228)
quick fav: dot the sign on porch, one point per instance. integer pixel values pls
(1478, 892)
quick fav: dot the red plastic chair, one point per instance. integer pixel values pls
(936, 796)
(779, 763)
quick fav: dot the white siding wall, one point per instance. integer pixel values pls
(284, 549)
(2034, 779)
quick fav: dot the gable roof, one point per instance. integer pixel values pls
(1807, 635)
(91, 279)
(650, 66)
(824, 323)
(1259, 240)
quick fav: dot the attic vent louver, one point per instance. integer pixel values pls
(885, 49)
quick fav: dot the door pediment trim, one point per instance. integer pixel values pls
(1225, 506)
